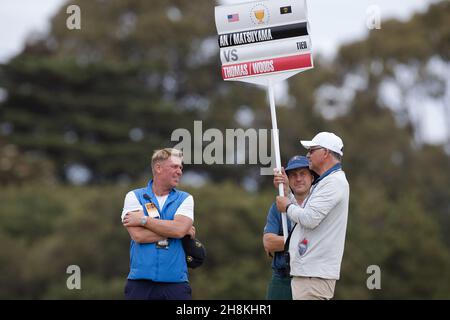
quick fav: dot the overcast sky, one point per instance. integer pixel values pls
(332, 21)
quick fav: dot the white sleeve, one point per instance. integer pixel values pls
(322, 201)
(131, 203)
(187, 208)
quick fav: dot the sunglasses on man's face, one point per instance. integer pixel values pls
(311, 151)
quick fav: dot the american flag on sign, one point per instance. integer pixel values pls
(233, 17)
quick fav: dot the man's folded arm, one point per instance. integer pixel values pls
(143, 235)
(176, 228)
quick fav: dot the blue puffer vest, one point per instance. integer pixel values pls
(149, 262)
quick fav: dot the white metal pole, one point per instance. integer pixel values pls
(276, 144)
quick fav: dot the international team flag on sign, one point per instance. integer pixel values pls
(285, 10)
(233, 17)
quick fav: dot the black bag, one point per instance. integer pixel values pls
(195, 252)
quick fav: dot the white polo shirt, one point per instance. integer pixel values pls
(131, 203)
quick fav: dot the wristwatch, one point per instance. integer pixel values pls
(143, 221)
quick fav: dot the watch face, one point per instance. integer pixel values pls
(143, 221)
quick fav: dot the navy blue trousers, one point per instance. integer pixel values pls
(150, 290)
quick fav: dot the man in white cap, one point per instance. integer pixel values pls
(317, 242)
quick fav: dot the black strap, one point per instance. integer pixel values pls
(287, 271)
(286, 244)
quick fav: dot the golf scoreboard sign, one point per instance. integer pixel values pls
(263, 40)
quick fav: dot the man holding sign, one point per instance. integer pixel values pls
(300, 181)
(317, 243)
(264, 42)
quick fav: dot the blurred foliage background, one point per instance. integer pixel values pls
(84, 110)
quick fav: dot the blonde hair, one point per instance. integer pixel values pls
(164, 154)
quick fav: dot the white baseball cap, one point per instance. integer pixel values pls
(325, 140)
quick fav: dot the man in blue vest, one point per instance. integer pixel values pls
(300, 179)
(157, 217)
